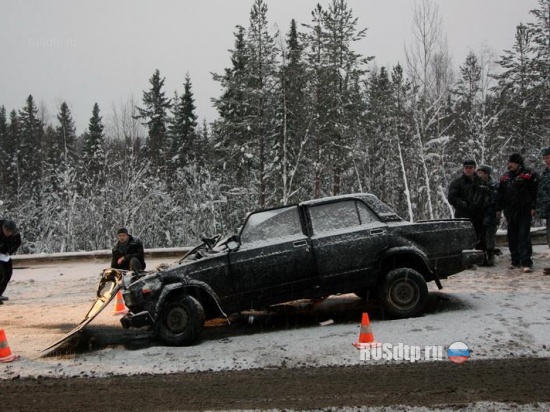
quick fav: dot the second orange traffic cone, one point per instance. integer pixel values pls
(120, 307)
(5, 351)
(366, 337)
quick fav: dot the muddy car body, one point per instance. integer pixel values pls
(345, 244)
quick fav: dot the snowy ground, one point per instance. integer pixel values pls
(497, 312)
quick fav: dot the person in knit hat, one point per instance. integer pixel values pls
(467, 196)
(516, 198)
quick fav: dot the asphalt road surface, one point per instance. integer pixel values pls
(432, 384)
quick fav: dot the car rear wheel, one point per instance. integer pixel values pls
(181, 321)
(404, 293)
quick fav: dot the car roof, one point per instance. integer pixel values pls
(363, 196)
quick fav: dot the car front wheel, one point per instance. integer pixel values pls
(404, 293)
(181, 321)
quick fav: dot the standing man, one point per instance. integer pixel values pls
(128, 252)
(490, 221)
(543, 196)
(516, 196)
(467, 196)
(10, 240)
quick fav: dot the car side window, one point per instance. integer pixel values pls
(365, 214)
(334, 216)
(340, 215)
(272, 224)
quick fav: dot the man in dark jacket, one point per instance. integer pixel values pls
(10, 240)
(516, 197)
(543, 197)
(490, 221)
(128, 253)
(467, 196)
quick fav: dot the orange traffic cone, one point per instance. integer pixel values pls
(120, 307)
(366, 338)
(5, 351)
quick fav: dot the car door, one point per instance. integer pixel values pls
(274, 262)
(348, 237)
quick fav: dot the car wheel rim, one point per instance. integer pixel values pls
(177, 319)
(404, 294)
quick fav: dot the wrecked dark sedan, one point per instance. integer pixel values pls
(344, 244)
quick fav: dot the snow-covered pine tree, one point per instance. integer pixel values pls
(182, 128)
(345, 68)
(154, 115)
(540, 48)
(4, 158)
(10, 148)
(261, 97)
(517, 99)
(93, 151)
(295, 118)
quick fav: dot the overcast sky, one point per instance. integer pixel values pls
(105, 51)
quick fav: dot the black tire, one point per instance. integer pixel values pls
(404, 293)
(181, 321)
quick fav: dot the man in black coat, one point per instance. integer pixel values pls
(467, 195)
(516, 197)
(128, 253)
(10, 240)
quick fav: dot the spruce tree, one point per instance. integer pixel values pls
(29, 148)
(336, 72)
(540, 50)
(261, 98)
(93, 148)
(296, 116)
(183, 127)
(518, 102)
(231, 131)
(11, 150)
(66, 133)
(4, 159)
(467, 108)
(154, 115)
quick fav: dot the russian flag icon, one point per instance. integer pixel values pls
(458, 352)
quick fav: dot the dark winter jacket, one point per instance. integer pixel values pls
(467, 196)
(134, 248)
(543, 195)
(517, 191)
(9, 245)
(490, 218)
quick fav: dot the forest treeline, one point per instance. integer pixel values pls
(301, 115)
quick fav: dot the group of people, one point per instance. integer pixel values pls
(127, 254)
(520, 195)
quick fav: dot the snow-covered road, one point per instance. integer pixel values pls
(497, 312)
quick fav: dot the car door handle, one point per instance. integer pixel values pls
(377, 231)
(300, 243)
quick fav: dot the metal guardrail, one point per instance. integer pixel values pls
(103, 255)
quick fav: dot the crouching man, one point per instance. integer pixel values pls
(10, 240)
(128, 252)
